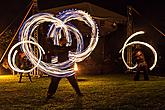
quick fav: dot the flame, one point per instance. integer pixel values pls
(75, 67)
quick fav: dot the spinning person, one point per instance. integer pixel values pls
(62, 52)
(24, 63)
(141, 65)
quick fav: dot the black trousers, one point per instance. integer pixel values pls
(145, 73)
(55, 81)
(20, 78)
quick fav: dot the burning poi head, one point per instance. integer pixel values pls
(58, 24)
(126, 44)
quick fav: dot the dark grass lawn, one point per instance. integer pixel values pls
(113, 91)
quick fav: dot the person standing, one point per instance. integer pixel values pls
(62, 52)
(25, 64)
(142, 65)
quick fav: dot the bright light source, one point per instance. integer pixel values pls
(75, 67)
(5, 76)
(60, 23)
(126, 44)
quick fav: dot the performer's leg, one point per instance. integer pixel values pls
(73, 82)
(137, 75)
(53, 86)
(29, 77)
(20, 78)
(146, 77)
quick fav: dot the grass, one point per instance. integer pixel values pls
(113, 91)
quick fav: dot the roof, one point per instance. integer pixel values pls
(105, 19)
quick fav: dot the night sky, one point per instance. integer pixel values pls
(11, 11)
(152, 11)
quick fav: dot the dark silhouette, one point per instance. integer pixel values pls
(62, 52)
(142, 66)
(25, 64)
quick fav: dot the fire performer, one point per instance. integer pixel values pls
(62, 52)
(142, 65)
(25, 64)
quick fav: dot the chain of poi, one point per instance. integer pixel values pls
(126, 44)
(58, 24)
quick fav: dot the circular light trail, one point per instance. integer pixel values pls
(126, 44)
(58, 24)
